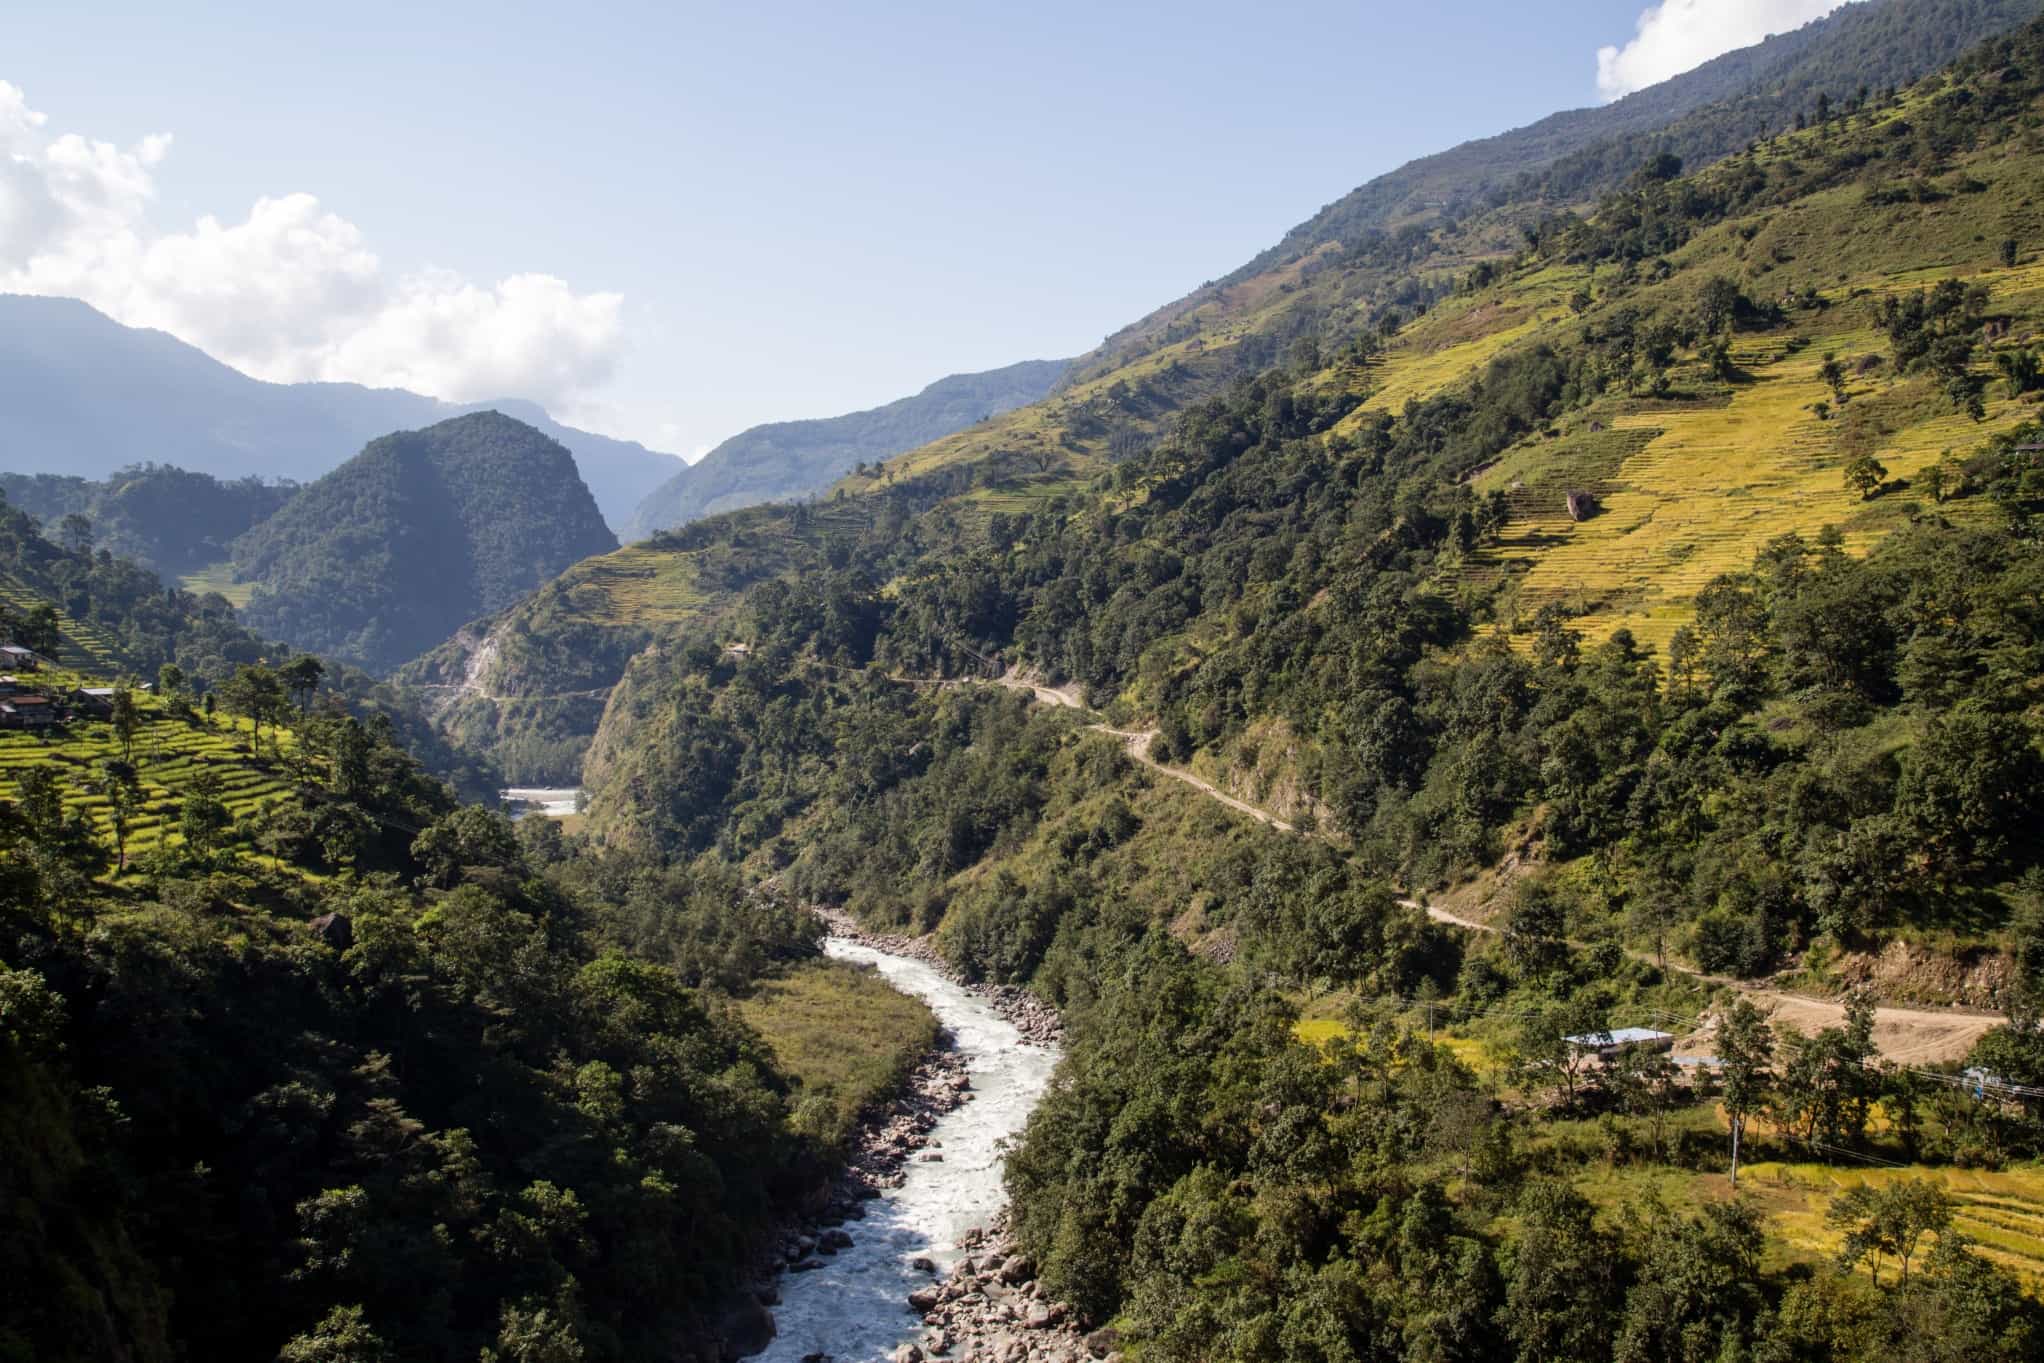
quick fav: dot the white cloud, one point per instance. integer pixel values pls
(1680, 35)
(290, 292)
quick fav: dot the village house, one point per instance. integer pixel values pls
(94, 702)
(1608, 1046)
(27, 712)
(20, 659)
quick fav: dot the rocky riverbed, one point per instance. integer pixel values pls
(918, 1208)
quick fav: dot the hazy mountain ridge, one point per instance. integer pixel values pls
(86, 397)
(787, 459)
(423, 530)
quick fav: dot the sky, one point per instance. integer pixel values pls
(674, 221)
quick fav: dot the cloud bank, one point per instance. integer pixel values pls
(1680, 35)
(290, 292)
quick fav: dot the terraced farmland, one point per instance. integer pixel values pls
(2002, 1213)
(170, 756)
(1703, 487)
(85, 645)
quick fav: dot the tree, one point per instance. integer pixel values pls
(255, 693)
(1646, 1083)
(123, 793)
(1888, 1220)
(1833, 374)
(203, 817)
(1865, 475)
(470, 836)
(2010, 251)
(40, 631)
(301, 677)
(77, 533)
(171, 684)
(1561, 1290)
(127, 720)
(60, 850)
(342, 1336)
(1745, 1048)
(1720, 305)
(2021, 370)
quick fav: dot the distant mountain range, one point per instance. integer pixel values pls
(86, 396)
(788, 459)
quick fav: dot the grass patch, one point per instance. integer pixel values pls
(844, 1035)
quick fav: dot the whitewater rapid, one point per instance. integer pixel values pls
(855, 1307)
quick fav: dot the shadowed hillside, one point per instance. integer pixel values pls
(390, 553)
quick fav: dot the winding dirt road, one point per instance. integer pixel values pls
(1904, 1035)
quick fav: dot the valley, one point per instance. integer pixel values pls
(1467, 790)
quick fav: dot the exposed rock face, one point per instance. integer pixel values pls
(336, 930)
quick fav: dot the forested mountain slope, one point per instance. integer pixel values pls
(791, 459)
(1800, 739)
(166, 519)
(305, 1061)
(86, 397)
(1796, 395)
(390, 553)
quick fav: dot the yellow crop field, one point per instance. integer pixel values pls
(2001, 1213)
(1411, 375)
(637, 585)
(1711, 486)
(219, 579)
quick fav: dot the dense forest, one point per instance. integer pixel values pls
(424, 530)
(168, 520)
(479, 1107)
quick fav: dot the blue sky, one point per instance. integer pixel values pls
(721, 214)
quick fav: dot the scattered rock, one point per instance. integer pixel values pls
(1016, 1268)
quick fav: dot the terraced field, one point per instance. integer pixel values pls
(219, 580)
(2002, 1213)
(170, 754)
(1698, 489)
(85, 645)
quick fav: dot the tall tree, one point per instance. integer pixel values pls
(1745, 1047)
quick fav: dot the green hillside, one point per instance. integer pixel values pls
(302, 1057)
(1801, 387)
(389, 554)
(168, 520)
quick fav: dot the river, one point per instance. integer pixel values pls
(548, 802)
(855, 1307)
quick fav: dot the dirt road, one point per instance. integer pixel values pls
(1916, 1036)
(1905, 1035)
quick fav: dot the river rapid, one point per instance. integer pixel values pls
(855, 1306)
